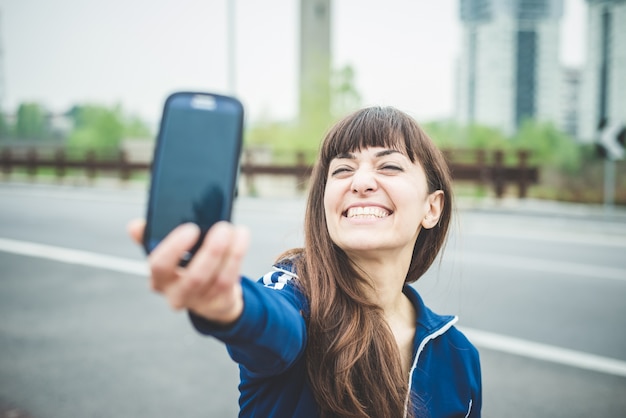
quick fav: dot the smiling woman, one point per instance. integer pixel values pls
(364, 319)
(335, 330)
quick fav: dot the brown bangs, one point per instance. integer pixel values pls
(384, 127)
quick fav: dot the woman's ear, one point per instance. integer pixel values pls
(435, 208)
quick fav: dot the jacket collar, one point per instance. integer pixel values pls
(428, 322)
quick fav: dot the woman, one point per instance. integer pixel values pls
(335, 330)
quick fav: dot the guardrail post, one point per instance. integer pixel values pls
(483, 170)
(248, 172)
(523, 182)
(6, 161)
(59, 164)
(31, 163)
(90, 164)
(124, 167)
(497, 173)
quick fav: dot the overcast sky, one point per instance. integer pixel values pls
(136, 52)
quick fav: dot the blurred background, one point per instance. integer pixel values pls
(525, 97)
(543, 76)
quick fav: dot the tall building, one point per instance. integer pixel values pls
(315, 60)
(509, 65)
(603, 90)
(2, 81)
(570, 101)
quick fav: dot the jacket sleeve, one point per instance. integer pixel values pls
(269, 336)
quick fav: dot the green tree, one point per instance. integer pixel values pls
(135, 127)
(549, 146)
(100, 127)
(96, 126)
(31, 121)
(485, 137)
(345, 97)
(282, 138)
(5, 128)
(450, 134)
(446, 134)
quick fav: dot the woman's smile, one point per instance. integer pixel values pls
(365, 212)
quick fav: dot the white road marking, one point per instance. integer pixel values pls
(588, 237)
(482, 339)
(545, 352)
(127, 196)
(536, 264)
(70, 256)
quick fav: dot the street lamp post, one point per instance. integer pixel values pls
(231, 49)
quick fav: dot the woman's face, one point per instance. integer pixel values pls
(376, 201)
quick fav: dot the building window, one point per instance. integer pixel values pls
(320, 10)
(526, 69)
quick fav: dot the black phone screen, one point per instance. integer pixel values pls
(195, 165)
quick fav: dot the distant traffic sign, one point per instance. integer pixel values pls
(611, 141)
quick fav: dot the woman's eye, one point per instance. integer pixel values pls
(391, 167)
(340, 170)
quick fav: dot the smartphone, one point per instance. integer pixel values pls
(195, 167)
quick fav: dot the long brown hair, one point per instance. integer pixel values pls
(353, 361)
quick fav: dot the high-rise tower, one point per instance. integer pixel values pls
(315, 60)
(2, 81)
(603, 95)
(509, 66)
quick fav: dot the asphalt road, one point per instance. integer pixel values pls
(540, 290)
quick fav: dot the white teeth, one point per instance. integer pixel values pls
(369, 211)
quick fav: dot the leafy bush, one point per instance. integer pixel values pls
(549, 147)
(449, 134)
(31, 121)
(100, 127)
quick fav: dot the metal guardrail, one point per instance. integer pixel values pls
(479, 166)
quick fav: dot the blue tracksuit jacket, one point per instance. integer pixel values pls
(269, 339)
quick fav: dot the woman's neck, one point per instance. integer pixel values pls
(387, 281)
(387, 275)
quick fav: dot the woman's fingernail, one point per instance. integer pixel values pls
(189, 230)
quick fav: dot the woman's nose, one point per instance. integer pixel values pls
(363, 181)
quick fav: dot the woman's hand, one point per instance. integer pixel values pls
(209, 284)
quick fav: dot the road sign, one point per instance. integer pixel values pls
(611, 141)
